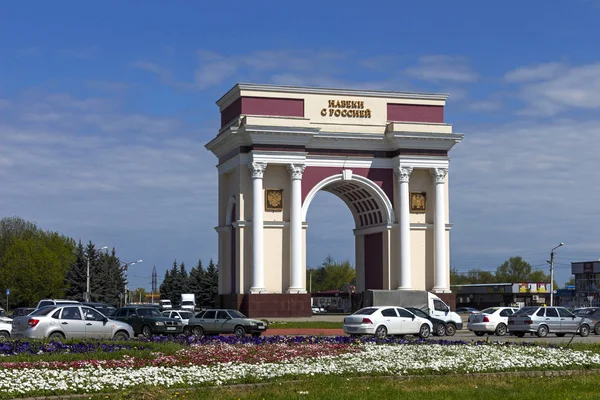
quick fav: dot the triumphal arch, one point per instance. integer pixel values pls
(384, 154)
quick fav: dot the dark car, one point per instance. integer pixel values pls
(440, 328)
(22, 311)
(148, 321)
(104, 308)
(225, 321)
(592, 313)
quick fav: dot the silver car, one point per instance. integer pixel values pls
(544, 320)
(69, 321)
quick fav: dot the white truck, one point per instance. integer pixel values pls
(188, 301)
(428, 302)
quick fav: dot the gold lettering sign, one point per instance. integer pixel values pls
(273, 199)
(418, 202)
(346, 109)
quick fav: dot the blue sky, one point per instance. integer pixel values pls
(105, 110)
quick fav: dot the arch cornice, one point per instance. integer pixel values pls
(382, 200)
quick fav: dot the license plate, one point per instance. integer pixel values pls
(351, 328)
(171, 328)
(261, 327)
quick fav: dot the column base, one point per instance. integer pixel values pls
(296, 291)
(404, 288)
(255, 290)
(441, 290)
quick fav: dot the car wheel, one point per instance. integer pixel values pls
(187, 331)
(239, 331)
(584, 330)
(597, 329)
(425, 331)
(198, 330)
(381, 332)
(4, 335)
(542, 331)
(501, 329)
(450, 329)
(478, 333)
(121, 336)
(147, 331)
(560, 334)
(56, 336)
(440, 330)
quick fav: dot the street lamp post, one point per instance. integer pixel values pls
(87, 277)
(552, 273)
(125, 267)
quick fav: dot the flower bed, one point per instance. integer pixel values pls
(218, 361)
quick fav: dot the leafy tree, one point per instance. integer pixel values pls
(331, 275)
(514, 270)
(139, 295)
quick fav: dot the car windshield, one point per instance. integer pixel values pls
(525, 311)
(148, 312)
(490, 310)
(187, 303)
(365, 311)
(236, 314)
(43, 311)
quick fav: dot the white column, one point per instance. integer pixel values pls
(296, 230)
(439, 226)
(258, 259)
(403, 175)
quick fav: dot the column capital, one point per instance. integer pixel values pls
(258, 169)
(403, 173)
(439, 174)
(296, 170)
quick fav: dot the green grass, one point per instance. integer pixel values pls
(459, 387)
(305, 324)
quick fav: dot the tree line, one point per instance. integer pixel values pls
(515, 269)
(37, 264)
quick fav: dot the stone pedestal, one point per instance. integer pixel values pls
(279, 305)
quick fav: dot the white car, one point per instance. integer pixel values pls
(491, 320)
(382, 321)
(5, 329)
(182, 315)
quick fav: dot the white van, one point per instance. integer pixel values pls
(165, 305)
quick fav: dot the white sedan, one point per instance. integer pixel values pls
(382, 321)
(491, 320)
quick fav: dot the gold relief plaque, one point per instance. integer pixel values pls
(273, 199)
(418, 202)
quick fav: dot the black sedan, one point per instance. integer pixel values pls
(440, 328)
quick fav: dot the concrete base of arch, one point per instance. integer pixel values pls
(277, 305)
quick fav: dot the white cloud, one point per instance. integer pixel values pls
(439, 68)
(558, 88)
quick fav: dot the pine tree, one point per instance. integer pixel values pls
(185, 279)
(166, 286)
(195, 280)
(176, 286)
(209, 286)
(75, 278)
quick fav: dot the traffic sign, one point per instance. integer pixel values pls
(7, 292)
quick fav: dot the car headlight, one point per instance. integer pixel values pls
(251, 323)
(159, 323)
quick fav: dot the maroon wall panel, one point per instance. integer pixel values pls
(384, 178)
(374, 261)
(269, 106)
(415, 113)
(232, 111)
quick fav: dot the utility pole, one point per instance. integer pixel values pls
(153, 283)
(552, 273)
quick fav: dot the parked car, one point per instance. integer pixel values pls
(224, 321)
(69, 321)
(21, 311)
(148, 321)
(318, 310)
(3, 316)
(104, 308)
(165, 304)
(492, 320)
(5, 329)
(466, 310)
(182, 315)
(381, 321)
(55, 302)
(592, 313)
(544, 320)
(440, 328)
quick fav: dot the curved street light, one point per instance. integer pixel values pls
(552, 273)
(125, 268)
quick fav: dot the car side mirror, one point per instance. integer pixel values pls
(413, 317)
